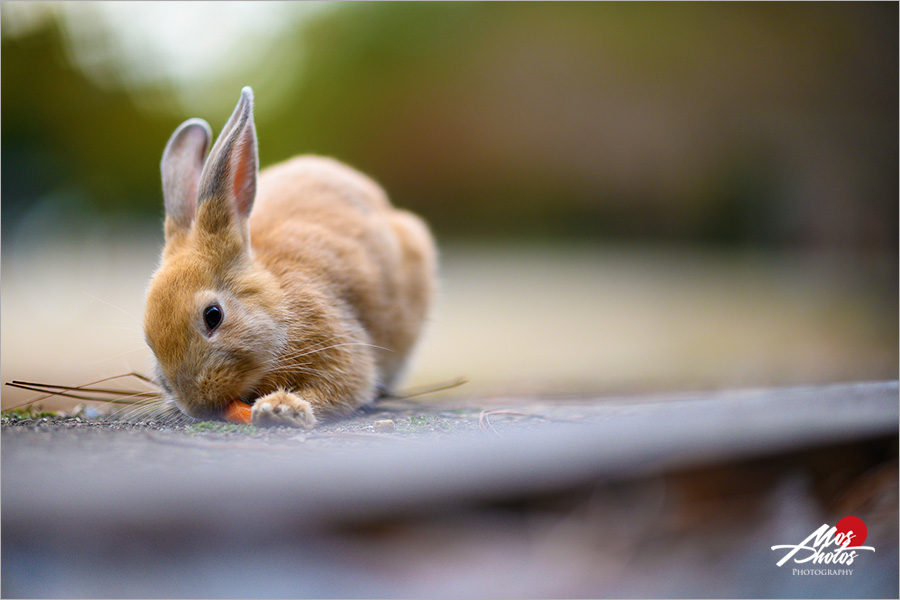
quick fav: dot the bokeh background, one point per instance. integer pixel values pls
(628, 197)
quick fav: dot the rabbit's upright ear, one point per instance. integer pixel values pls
(228, 183)
(182, 164)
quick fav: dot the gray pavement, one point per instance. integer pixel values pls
(461, 497)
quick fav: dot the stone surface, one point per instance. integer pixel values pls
(679, 495)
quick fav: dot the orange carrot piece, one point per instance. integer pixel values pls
(238, 412)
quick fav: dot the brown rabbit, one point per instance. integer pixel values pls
(302, 293)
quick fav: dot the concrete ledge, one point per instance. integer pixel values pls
(85, 490)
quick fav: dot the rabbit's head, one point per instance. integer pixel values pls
(213, 319)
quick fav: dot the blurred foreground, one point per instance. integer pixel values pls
(642, 496)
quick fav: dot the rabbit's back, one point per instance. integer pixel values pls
(317, 222)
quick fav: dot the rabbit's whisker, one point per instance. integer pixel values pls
(309, 352)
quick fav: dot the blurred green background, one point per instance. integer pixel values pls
(731, 130)
(764, 124)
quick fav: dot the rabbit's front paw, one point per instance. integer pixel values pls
(283, 408)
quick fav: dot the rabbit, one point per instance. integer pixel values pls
(299, 290)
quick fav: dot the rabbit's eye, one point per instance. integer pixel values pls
(213, 316)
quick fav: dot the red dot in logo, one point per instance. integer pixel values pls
(856, 525)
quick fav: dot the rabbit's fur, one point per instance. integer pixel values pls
(324, 287)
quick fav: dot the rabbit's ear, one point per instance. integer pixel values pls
(182, 164)
(228, 183)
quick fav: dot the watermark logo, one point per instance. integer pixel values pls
(839, 544)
